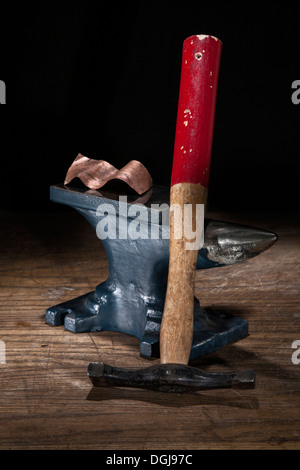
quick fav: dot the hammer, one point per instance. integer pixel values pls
(189, 186)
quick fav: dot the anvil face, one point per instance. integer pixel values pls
(131, 300)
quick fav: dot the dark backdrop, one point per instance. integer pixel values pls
(104, 81)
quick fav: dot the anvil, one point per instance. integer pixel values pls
(131, 300)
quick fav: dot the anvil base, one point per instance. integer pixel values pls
(212, 329)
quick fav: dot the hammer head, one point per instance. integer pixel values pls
(176, 378)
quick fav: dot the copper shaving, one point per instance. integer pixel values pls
(96, 173)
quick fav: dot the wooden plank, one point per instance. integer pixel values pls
(46, 399)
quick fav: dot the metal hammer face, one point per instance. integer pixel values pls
(176, 378)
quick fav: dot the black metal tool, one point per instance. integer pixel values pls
(175, 378)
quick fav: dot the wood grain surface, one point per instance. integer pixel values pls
(46, 399)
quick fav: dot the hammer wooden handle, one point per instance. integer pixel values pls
(189, 183)
(176, 334)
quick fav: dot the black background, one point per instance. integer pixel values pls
(103, 80)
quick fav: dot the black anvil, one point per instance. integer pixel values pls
(131, 300)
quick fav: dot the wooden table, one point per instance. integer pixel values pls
(46, 399)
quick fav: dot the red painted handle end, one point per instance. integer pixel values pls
(196, 109)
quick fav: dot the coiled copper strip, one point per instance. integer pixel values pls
(96, 173)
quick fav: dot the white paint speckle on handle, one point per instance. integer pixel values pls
(203, 36)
